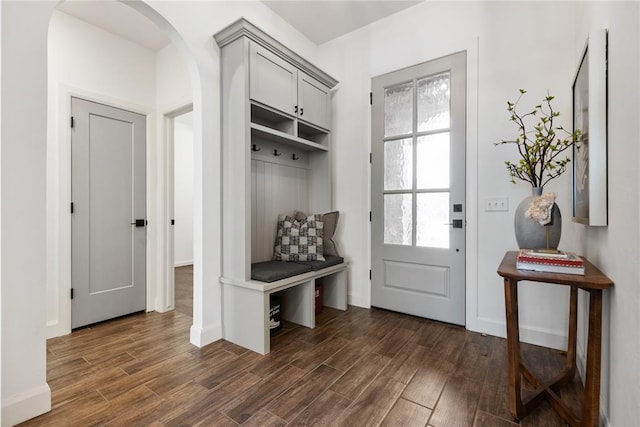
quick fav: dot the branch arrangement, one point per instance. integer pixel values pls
(540, 148)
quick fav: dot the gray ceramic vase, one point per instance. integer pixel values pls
(529, 233)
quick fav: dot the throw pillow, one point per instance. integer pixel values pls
(330, 220)
(301, 240)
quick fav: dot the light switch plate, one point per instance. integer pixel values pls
(496, 204)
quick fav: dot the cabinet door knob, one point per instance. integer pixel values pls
(295, 109)
(301, 111)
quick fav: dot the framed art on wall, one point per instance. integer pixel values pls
(590, 118)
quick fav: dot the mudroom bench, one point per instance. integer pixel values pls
(246, 303)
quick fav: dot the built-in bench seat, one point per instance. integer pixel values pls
(246, 303)
(270, 271)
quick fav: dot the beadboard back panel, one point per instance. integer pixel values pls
(275, 188)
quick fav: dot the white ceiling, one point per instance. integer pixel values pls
(319, 20)
(119, 19)
(324, 20)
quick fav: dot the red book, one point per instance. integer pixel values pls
(560, 262)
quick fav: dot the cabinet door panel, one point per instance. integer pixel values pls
(272, 80)
(313, 99)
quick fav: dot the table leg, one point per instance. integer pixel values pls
(591, 412)
(513, 347)
(573, 327)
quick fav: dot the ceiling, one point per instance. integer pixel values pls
(319, 20)
(117, 18)
(324, 20)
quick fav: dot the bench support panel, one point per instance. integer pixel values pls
(246, 318)
(299, 304)
(335, 290)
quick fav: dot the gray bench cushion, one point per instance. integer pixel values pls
(319, 265)
(270, 271)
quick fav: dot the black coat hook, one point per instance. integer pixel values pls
(294, 157)
(275, 153)
(254, 148)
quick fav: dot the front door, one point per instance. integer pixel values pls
(108, 221)
(418, 190)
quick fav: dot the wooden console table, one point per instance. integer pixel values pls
(592, 282)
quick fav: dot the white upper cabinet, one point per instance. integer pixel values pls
(278, 84)
(273, 81)
(313, 101)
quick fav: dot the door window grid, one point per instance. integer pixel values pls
(417, 216)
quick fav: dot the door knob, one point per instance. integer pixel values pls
(139, 223)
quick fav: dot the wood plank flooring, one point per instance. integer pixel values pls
(357, 368)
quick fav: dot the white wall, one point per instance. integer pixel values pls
(94, 64)
(183, 189)
(616, 248)
(25, 392)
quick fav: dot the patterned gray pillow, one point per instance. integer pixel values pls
(299, 240)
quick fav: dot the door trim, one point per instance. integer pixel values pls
(166, 293)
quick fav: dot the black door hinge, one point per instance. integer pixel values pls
(71, 293)
(173, 222)
(370, 157)
(71, 207)
(72, 122)
(370, 216)
(370, 98)
(369, 274)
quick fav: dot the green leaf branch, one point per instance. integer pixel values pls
(541, 145)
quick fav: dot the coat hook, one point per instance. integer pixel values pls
(254, 148)
(275, 153)
(294, 157)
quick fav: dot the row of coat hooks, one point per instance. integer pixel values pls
(276, 153)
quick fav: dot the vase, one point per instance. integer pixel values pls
(529, 233)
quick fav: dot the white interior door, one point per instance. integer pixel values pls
(418, 190)
(108, 221)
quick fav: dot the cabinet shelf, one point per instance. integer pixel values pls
(274, 135)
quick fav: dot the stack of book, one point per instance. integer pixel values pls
(550, 261)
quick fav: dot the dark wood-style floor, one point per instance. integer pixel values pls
(357, 368)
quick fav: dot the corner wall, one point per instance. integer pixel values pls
(25, 392)
(615, 249)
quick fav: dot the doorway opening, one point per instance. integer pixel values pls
(182, 218)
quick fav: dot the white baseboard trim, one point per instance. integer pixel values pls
(357, 300)
(182, 263)
(26, 405)
(200, 337)
(536, 336)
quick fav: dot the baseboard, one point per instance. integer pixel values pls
(202, 336)
(357, 300)
(182, 263)
(24, 406)
(536, 336)
(56, 329)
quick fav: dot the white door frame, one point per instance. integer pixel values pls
(166, 298)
